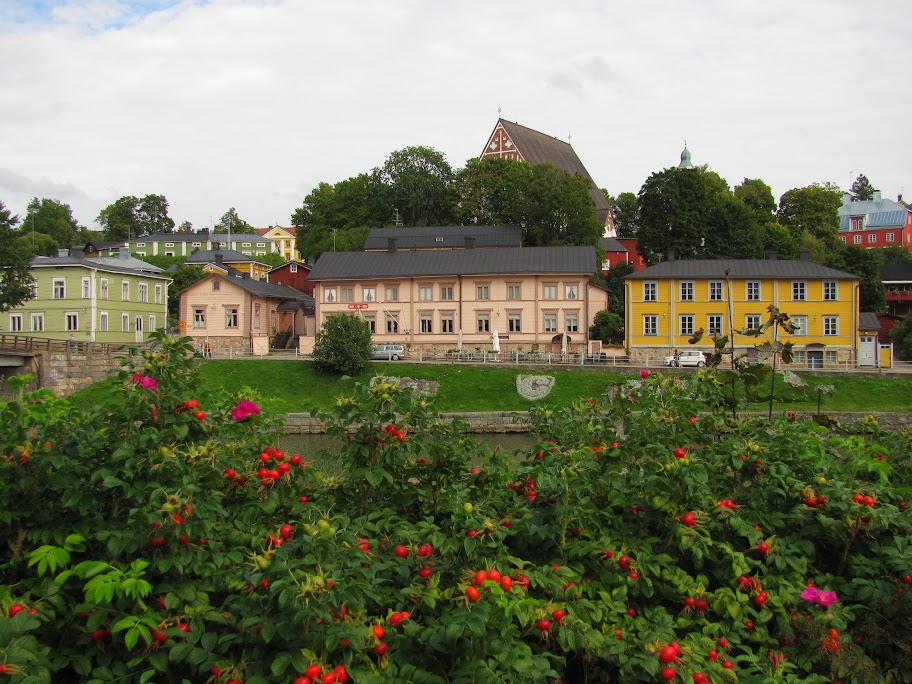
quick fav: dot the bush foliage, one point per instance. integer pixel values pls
(650, 535)
(343, 345)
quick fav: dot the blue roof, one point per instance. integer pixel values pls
(882, 213)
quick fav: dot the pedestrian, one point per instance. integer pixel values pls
(72, 342)
(208, 350)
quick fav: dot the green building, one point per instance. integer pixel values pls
(117, 299)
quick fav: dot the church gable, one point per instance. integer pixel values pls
(501, 145)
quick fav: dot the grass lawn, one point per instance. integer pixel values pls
(294, 386)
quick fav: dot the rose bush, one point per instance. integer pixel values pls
(648, 536)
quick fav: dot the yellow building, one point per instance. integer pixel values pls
(217, 261)
(667, 303)
(285, 240)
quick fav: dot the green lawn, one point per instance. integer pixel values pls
(294, 386)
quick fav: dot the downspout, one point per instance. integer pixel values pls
(93, 305)
(459, 279)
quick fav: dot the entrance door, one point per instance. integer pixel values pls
(815, 359)
(866, 349)
(138, 331)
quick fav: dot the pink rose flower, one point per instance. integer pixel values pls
(645, 373)
(145, 381)
(821, 598)
(244, 408)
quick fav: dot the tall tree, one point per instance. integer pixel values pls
(814, 209)
(185, 227)
(865, 263)
(416, 180)
(734, 231)
(119, 221)
(862, 189)
(152, 214)
(53, 218)
(758, 197)
(626, 211)
(232, 223)
(15, 279)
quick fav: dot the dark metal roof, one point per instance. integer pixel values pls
(221, 238)
(454, 262)
(867, 320)
(896, 273)
(258, 288)
(538, 148)
(610, 244)
(445, 237)
(108, 265)
(738, 268)
(207, 256)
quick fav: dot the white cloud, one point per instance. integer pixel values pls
(251, 104)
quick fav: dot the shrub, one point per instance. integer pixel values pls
(343, 345)
(647, 534)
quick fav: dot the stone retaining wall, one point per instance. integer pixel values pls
(503, 421)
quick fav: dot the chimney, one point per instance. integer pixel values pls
(877, 196)
(804, 255)
(390, 245)
(470, 242)
(846, 198)
(123, 252)
(670, 255)
(772, 255)
(63, 252)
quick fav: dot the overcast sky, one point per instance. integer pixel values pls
(252, 103)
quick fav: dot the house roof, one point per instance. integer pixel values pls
(881, 213)
(208, 256)
(112, 265)
(258, 288)
(291, 231)
(302, 264)
(471, 262)
(738, 268)
(444, 237)
(221, 238)
(868, 320)
(538, 148)
(896, 273)
(610, 244)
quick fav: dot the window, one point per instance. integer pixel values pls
(514, 322)
(715, 290)
(15, 324)
(830, 293)
(800, 323)
(830, 357)
(371, 321)
(256, 315)
(261, 244)
(482, 292)
(446, 323)
(199, 318)
(830, 325)
(650, 325)
(514, 292)
(752, 291)
(425, 293)
(142, 254)
(34, 287)
(125, 322)
(140, 244)
(687, 291)
(392, 323)
(125, 290)
(347, 294)
(158, 294)
(843, 238)
(392, 293)
(426, 323)
(59, 285)
(857, 239)
(197, 244)
(571, 322)
(216, 285)
(245, 244)
(329, 294)
(550, 322)
(103, 321)
(293, 268)
(714, 324)
(169, 253)
(37, 322)
(169, 244)
(571, 291)
(72, 321)
(86, 288)
(151, 322)
(800, 358)
(142, 292)
(650, 292)
(483, 322)
(686, 325)
(799, 290)
(890, 237)
(549, 292)
(857, 223)
(231, 317)
(752, 321)
(369, 294)
(872, 238)
(446, 293)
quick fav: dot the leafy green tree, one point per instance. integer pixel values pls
(343, 345)
(864, 263)
(183, 277)
(119, 221)
(38, 244)
(15, 279)
(272, 259)
(625, 209)
(416, 180)
(153, 215)
(862, 189)
(614, 283)
(607, 327)
(814, 209)
(735, 232)
(232, 223)
(901, 334)
(53, 218)
(896, 255)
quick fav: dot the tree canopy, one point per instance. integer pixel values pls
(232, 223)
(53, 218)
(814, 209)
(15, 279)
(131, 217)
(862, 189)
(626, 211)
(416, 180)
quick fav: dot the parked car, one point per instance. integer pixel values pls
(388, 352)
(688, 357)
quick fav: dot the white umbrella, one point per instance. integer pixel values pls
(459, 340)
(564, 345)
(495, 342)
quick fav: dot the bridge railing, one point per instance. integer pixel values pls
(28, 343)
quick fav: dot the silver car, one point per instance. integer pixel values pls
(688, 357)
(388, 352)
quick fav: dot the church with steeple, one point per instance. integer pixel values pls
(686, 163)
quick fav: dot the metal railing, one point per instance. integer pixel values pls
(27, 343)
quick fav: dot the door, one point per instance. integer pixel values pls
(866, 349)
(138, 332)
(815, 359)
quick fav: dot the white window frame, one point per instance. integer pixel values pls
(86, 287)
(293, 268)
(830, 326)
(650, 325)
(799, 290)
(425, 293)
(15, 323)
(369, 294)
(426, 323)
(158, 293)
(447, 322)
(549, 291)
(102, 321)
(687, 290)
(125, 290)
(58, 288)
(801, 325)
(686, 324)
(549, 320)
(752, 291)
(37, 321)
(514, 291)
(329, 294)
(857, 240)
(714, 323)
(71, 321)
(891, 237)
(571, 321)
(199, 317)
(482, 293)
(571, 291)
(753, 321)
(124, 321)
(392, 293)
(392, 323)
(716, 291)
(142, 293)
(830, 290)
(232, 317)
(346, 294)
(872, 238)
(514, 321)
(446, 293)
(650, 291)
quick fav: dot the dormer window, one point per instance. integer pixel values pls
(856, 223)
